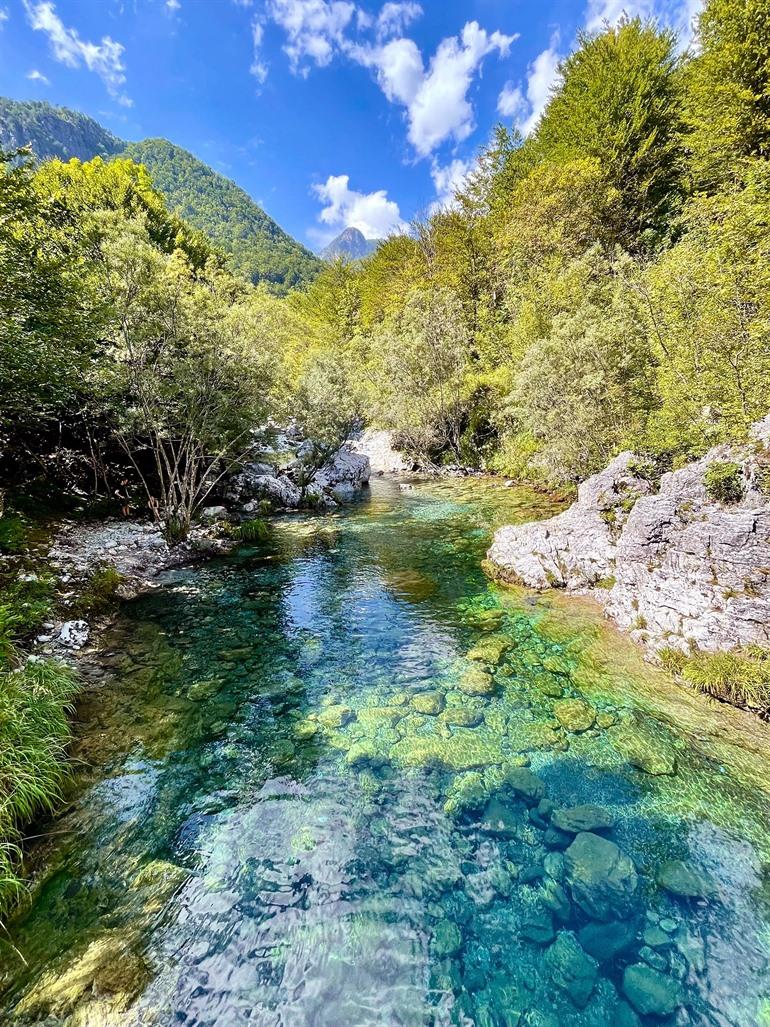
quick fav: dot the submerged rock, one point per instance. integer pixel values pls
(466, 792)
(602, 878)
(649, 991)
(574, 715)
(447, 939)
(582, 818)
(537, 927)
(605, 941)
(429, 703)
(462, 716)
(490, 649)
(337, 715)
(572, 970)
(476, 681)
(525, 784)
(684, 880)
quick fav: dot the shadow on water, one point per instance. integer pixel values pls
(324, 782)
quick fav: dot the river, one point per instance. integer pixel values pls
(330, 781)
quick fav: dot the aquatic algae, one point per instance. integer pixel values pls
(651, 753)
(464, 750)
(337, 715)
(429, 703)
(466, 792)
(463, 716)
(109, 966)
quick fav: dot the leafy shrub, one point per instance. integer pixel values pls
(724, 481)
(34, 732)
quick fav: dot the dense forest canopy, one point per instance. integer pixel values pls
(601, 284)
(258, 248)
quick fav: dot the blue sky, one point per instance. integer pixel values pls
(328, 112)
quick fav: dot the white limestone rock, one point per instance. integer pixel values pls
(384, 458)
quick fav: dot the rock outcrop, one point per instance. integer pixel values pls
(674, 565)
(384, 458)
(260, 485)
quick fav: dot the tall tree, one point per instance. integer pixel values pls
(620, 102)
(729, 89)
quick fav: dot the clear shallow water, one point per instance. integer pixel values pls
(301, 802)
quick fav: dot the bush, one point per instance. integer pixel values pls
(255, 530)
(724, 482)
(34, 733)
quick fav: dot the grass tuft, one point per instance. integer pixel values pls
(739, 677)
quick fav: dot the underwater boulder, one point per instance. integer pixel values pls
(476, 681)
(572, 970)
(336, 716)
(651, 992)
(429, 703)
(447, 939)
(466, 792)
(490, 649)
(582, 818)
(537, 927)
(684, 880)
(605, 941)
(574, 715)
(500, 820)
(462, 716)
(524, 784)
(602, 879)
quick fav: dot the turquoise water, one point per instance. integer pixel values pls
(331, 780)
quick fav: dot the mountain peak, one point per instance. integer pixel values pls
(350, 244)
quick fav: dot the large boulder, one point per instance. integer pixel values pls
(347, 471)
(678, 566)
(377, 446)
(602, 878)
(253, 485)
(575, 549)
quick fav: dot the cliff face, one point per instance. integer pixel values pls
(683, 565)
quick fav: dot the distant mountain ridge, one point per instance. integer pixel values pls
(259, 248)
(351, 244)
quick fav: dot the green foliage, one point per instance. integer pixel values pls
(34, 732)
(258, 248)
(255, 530)
(729, 90)
(620, 104)
(13, 534)
(100, 594)
(740, 678)
(724, 482)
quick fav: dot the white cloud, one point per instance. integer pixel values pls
(677, 14)
(104, 58)
(448, 179)
(38, 76)
(4, 15)
(258, 67)
(436, 99)
(173, 6)
(526, 106)
(511, 102)
(314, 28)
(394, 18)
(371, 213)
(441, 110)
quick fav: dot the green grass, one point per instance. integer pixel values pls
(34, 732)
(255, 530)
(740, 677)
(13, 534)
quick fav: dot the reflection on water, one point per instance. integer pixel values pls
(341, 780)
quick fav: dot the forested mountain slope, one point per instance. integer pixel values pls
(259, 248)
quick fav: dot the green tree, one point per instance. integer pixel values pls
(620, 103)
(418, 373)
(729, 89)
